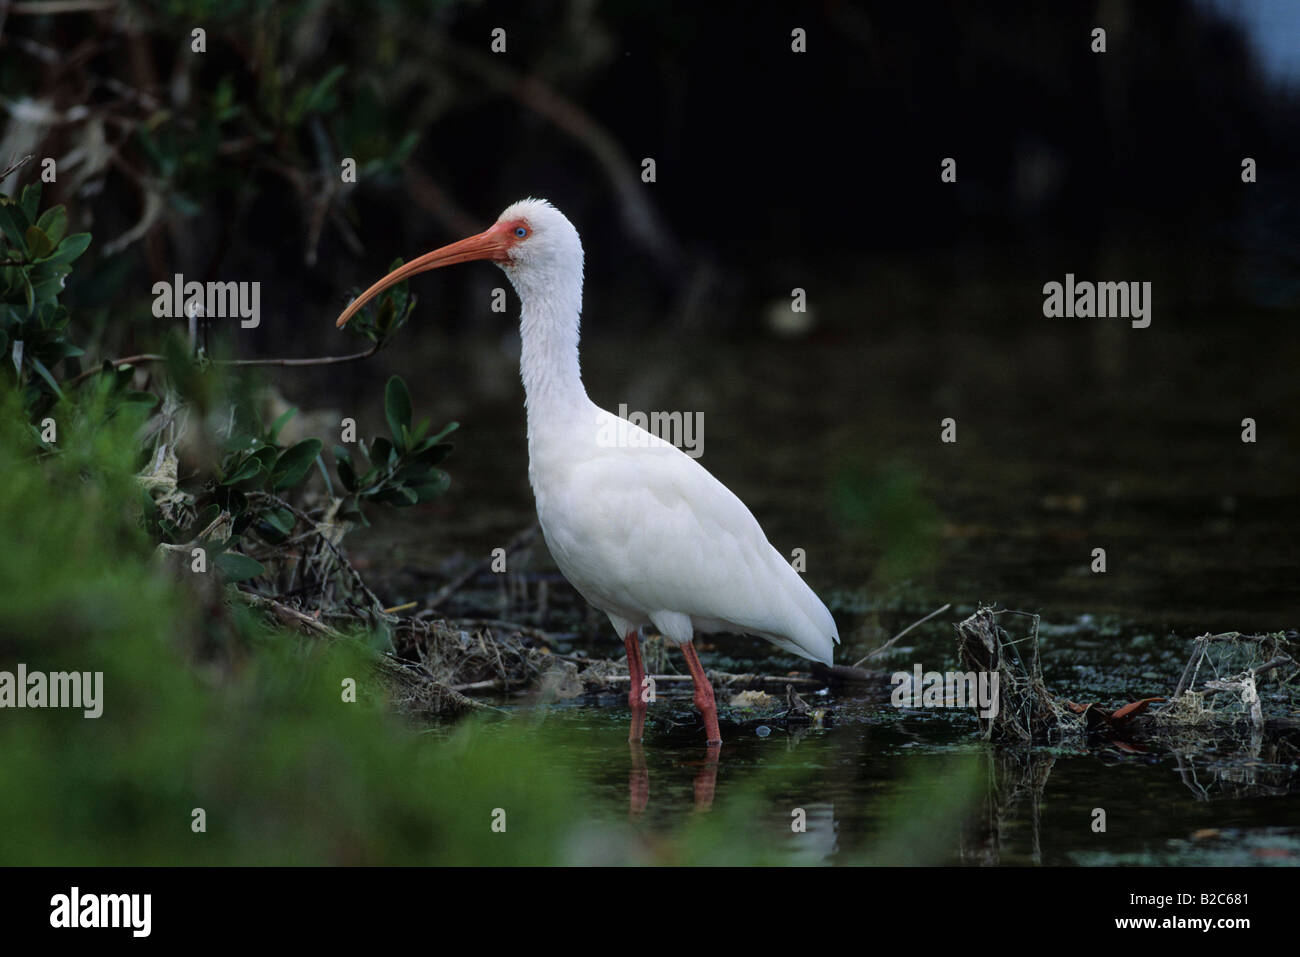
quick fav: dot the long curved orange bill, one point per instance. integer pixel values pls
(490, 244)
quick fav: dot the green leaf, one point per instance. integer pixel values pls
(397, 407)
(29, 293)
(267, 455)
(31, 200)
(37, 242)
(398, 495)
(452, 427)
(39, 366)
(346, 474)
(70, 248)
(317, 99)
(237, 568)
(246, 470)
(281, 518)
(47, 290)
(206, 516)
(13, 224)
(56, 350)
(279, 423)
(382, 453)
(432, 454)
(432, 489)
(276, 524)
(54, 223)
(420, 431)
(294, 463)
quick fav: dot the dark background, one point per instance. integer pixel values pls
(818, 170)
(774, 169)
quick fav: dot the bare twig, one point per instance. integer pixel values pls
(313, 361)
(15, 166)
(889, 644)
(777, 683)
(291, 616)
(154, 357)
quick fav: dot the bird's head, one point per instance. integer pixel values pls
(531, 240)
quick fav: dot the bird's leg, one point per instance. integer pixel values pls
(703, 693)
(706, 779)
(638, 782)
(636, 672)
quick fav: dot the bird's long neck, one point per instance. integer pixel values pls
(548, 361)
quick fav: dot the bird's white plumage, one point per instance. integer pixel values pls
(638, 527)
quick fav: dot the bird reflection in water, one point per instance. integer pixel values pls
(638, 779)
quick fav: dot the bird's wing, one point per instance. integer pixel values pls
(643, 527)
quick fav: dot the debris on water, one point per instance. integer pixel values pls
(762, 731)
(795, 704)
(752, 701)
(561, 681)
(1255, 659)
(1098, 717)
(1030, 713)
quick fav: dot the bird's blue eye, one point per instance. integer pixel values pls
(521, 232)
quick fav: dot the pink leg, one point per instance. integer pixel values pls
(638, 782)
(703, 693)
(636, 671)
(706, 779)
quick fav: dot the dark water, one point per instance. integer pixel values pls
(1070, 436)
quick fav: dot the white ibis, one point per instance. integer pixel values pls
(638, 527)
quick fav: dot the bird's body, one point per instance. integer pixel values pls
(610, 513)
(638, 527)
